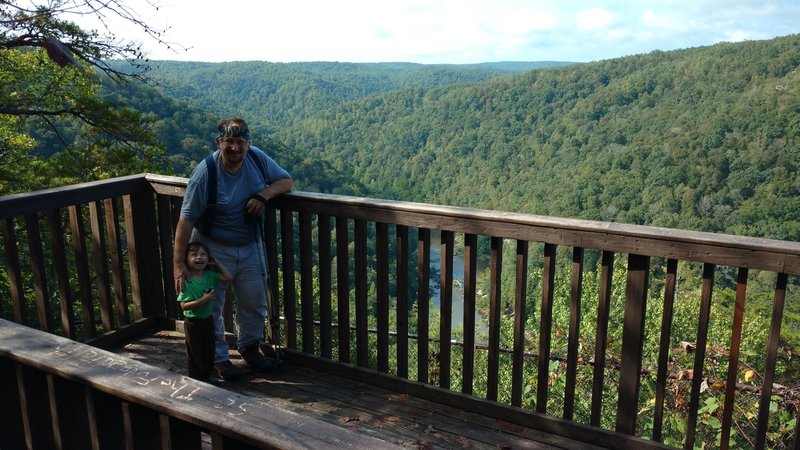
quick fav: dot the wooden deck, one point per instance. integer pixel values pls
(355, 406)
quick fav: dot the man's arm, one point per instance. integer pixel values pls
(183, 232)
(275, 189)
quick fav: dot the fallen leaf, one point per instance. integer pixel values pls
(513, 428)
(422, 445)
(349, 419)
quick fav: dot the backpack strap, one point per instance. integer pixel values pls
(211, 180)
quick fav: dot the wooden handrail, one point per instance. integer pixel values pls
(715, 248)
(78, 372)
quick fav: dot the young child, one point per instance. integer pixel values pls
(196, 302)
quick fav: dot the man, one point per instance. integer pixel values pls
(241, 185)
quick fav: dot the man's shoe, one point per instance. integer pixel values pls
(254, 358)
(227, 371)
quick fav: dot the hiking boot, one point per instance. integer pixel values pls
(227, 371)
(254, 358)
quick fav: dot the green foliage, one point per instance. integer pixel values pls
(51, 73)
(275, 95)
(703, 139)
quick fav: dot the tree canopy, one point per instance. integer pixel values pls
(51, 72)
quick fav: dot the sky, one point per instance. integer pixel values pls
(447, 31)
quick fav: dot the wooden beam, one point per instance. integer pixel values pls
(147, 391)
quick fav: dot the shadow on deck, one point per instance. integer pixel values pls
(354, 406)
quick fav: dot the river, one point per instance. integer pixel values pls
(458, 287)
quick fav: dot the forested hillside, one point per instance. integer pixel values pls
(275, 95)
(705, 138)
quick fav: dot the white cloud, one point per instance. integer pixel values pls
(450, 31)
(594, 19)
(738, 36)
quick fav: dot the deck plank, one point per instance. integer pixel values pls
(356, 406)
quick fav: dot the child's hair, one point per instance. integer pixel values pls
(194, 246)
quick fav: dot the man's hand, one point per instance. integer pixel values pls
(182, 232)
(256, 204)
(180, 272)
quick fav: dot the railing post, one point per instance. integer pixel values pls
(733, 361)
(401, 240)
(700, 353)
(141, 232)
(470, 277)
(101, 278)
(166, 227)
(12, 430)
(361, 286)
(306, 283)
(13, 270)
(324, 262)
(632, 342)
(59, 256)
(343, 288)
(38, 272)
(68, 409)
(574, 332)
(289, 292)
(445, 306)
(769, 369)
(601, 339)
(423, 301)
(82, 266)
(273, 293)
(663, 352)
(117, 264)
(382, 283)
(104, 413)
(495, 283)
(545, 326)
(37, 420)
(520, 303)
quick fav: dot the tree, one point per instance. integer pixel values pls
(51, 70)
(25, 25)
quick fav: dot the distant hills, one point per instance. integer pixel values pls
(275, 95)
(705, 138)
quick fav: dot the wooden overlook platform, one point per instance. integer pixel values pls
(550, 366)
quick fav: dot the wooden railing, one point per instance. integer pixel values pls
(59, 393)
(350, 279)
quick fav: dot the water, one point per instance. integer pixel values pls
(457, 316)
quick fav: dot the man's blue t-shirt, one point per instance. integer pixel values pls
(229, 223)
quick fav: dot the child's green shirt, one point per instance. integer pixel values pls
(194, 288)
